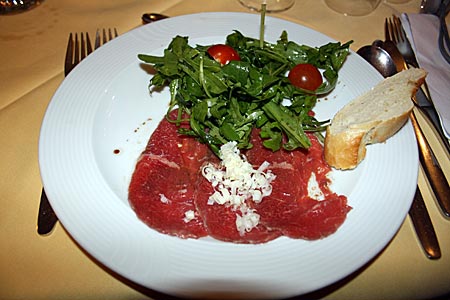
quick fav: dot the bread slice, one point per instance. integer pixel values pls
(371, 118)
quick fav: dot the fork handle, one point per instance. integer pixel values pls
(432, 169)
(424, 227)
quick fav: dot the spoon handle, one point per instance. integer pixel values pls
(152, 17)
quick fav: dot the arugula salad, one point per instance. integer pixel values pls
(227, 90)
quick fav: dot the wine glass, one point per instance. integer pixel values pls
(353, 7)
(271, 5)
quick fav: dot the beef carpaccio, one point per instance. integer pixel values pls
(169, 193)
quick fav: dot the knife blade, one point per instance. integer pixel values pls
(432, 116)
(435, 175)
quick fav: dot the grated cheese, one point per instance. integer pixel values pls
(163, 199)
(314, 190)
(235, 181)
(247, 221)
(189, 216)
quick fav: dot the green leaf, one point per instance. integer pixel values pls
(290, 125)
(225, 103)
(229, 132)
(272, 136)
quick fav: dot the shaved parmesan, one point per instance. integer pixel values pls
(247, 221)
(235, 182)
(314, 190)
(163, 198)
(189, 216)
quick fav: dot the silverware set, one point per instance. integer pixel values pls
(438, 182)
(78, 47)
(397, 46)
(418, 212)
(394, 29)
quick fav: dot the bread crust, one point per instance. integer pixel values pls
(346, 148)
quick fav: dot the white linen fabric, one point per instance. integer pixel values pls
(423, 31)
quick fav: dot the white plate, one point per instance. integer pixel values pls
(104, 105)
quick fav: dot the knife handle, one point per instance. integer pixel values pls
(424, 227)
(46, 217)
(432, 169)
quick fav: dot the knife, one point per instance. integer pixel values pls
(435, 175)
(46, 217)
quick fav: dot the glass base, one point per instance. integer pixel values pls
(271, 5)
(353, 7)
(17, 6)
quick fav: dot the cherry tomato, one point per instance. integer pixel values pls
(223, 54)
(305, 76)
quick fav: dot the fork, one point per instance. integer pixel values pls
(398, 35)
(77, 49)
(395, 31)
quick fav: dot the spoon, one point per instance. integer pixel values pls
(378, 58)
(420, 218)
(152, 17)
(429, 6)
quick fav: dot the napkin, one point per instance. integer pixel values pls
(423, 31)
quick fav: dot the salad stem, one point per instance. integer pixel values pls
(262, 23)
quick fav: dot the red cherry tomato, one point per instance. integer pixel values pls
(305, 76)
(223, 54)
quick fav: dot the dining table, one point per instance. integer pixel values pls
(54, 266)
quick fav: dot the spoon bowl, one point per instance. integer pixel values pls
(378, 58)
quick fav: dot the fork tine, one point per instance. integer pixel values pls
(97, 39)
(104, 36)
(401, 33)
(395, 30)
(387, 35)
(88, 44)
(69, 56)
(394, 33)
(390, 31)
(83, 47)
(76, 59)
(105, 39)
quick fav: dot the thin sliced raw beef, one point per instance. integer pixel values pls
(167, 183)
(220, 220)
(162, 186)
(289, 208)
